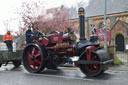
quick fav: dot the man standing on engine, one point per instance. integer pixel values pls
(28, 34)
(8, 40)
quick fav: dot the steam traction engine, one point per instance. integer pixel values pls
(49, 51)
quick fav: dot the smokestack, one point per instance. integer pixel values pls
(82, 23)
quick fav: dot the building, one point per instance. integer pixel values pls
(117, 21)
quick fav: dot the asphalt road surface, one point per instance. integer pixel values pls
(62, 76)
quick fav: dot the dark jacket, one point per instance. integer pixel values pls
(28, 34)
(37, 34)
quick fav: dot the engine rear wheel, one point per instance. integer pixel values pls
(91, 69)
(34, 58)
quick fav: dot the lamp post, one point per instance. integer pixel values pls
(105, 34)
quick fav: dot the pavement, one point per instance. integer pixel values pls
(118, 68)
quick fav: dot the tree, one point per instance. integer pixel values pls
(47, 20)
(29, 12)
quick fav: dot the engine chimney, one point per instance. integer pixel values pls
(82, 23)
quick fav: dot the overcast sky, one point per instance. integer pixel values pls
(9, 8)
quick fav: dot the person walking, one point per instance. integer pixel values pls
(8, 40)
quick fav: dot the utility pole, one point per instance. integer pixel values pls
(105, 34)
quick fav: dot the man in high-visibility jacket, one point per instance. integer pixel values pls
(8, 40)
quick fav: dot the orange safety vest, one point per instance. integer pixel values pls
(7, 37)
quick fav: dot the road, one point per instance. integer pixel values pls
(62, 76)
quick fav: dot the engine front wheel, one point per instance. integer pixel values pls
(91, 69)
(34, 58)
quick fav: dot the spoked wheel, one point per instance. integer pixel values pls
(34, 58)
(16, 63)
(91, 69)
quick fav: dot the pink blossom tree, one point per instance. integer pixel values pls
(47, 20)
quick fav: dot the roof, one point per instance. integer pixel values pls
(96, 7)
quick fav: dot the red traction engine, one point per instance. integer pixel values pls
(51, 50)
